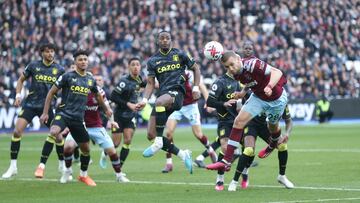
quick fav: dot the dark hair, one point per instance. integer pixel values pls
(163, 31)
(49, 46)
(133, 59)
(80, 52)
(227, 55)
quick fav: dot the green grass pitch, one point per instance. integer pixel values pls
(323, 164)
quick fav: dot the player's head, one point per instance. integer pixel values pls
(99, 80)
(48, 51)
(232, 62)
(134, 66)
(247, 49)
(81, 59)
(164, 40)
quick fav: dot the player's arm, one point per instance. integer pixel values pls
(275, 75)
(19, 86)
(100, 99)
(50, 95)
(196, 89)
(150, 86)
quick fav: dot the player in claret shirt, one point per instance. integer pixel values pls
(268, 96)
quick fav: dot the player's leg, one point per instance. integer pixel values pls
(125, 149)
(252, 108)
(116, 139)
(219, 186)
(173, 102)
(69, 147)
(244, 162)
(47, 149)
(199, 161)
(170, 129)
(25, 116)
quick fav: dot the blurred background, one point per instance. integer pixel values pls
(315, 43)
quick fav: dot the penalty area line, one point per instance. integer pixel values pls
(319, 200)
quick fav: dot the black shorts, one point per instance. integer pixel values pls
(124, 123)
(29, 113)
(77, 128)
(258, 130)
(178, 100)
(224, 130)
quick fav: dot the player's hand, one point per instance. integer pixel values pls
(44, 118)
(114, 125)
(17, 102)
(139, 106)
(230, 103)
(108, 112)
(268, 91)
(131, 106)
(284, 138)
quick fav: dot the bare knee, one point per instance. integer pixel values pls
(18, 133)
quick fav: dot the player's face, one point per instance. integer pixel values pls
(81, 62)
(248, 50)
(99, 80)
(135, 67)
(233, 64)
(48, 54)
(164, 40)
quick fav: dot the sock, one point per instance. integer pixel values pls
(215, 145)
(76, 153)
(83, 173)
(124, 153)
(169, 147)
(243, 161)
(200, 157)
(160, 120)
(274, 138)
(68, 159)
(15, 147)
(169, 161)
(282, 156)
(220, 178)
(42, 165)
(115, 161)
(60, 150)
(84, 161)
(233, 143)
(168, 155)
(220, 157)
(47, 149)
(13, 163)
(204, 140)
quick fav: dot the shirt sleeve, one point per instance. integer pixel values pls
(28, 70)
(257, 66)
(214, 94)
(150, 69)
(187, 59)
(61, 81)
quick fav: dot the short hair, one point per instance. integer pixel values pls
(49, 46)
(133, 59)
(227, 55)
(163, 31)
(80, 52)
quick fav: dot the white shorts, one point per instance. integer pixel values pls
(190, 112)
(99, 135)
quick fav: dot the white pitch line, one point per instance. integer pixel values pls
(319, 200)
(195, 184)
(142, 149)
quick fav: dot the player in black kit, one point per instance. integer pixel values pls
(43, 74)
(168, 67)
(222, 98)
(75, 86)
(125, 96)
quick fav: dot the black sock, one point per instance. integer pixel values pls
(243, 162)
(68, 159)
(15, 147)
(160, 120)
(282, 156)
(250, 161)
(76, 153)
(47, 149)
(215, 145)
(60, 150)
(124, 152)
(169, 147)
(220, 157)
(84, 162)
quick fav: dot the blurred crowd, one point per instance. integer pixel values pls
(316, 43)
